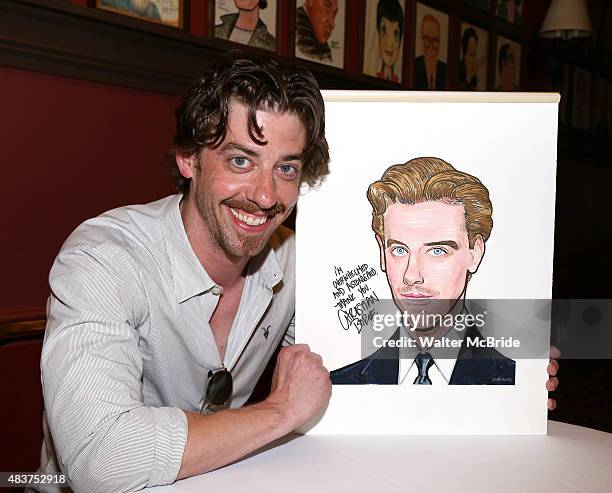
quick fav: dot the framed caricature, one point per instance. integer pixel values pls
(510, 10)
(384, 35)
(247, 22)
(167, 12)
(473, 57)
(508, 65)
(319, 31)
(431, 49)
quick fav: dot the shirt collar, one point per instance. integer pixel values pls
(188, 274)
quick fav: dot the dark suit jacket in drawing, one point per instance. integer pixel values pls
(474, 366)
(420, 75)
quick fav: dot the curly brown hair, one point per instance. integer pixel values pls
(430, 178)
(201, 118)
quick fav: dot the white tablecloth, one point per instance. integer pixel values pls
(570, 458)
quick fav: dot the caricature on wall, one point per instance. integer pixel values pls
(413, 256)
(319, 31)
(248, 22)
(473, 58)
(168, 12)
(384, 36)
(510, 10)
(508, 65)
(431, 47)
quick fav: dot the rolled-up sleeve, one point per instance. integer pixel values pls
(105, 438)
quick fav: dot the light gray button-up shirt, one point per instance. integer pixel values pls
(128, 344)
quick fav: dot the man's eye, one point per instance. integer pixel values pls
(240, 161)
(438, 252)
(288, 170)
(399, 251)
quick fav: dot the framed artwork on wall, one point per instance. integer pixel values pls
(248, 22)
(510, 10)
(431, 49)
(508, 65)
(166, 12)
(384, 35)
(319, 31)
(473, 58)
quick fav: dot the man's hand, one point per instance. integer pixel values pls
(300, 385)
(553, 381)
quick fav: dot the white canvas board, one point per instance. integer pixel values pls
(507, 141)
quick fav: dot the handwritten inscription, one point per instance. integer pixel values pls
(354, 299)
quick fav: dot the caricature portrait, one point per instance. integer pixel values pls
(508, 65)
(473, 61)
(319, 31)
(163, 12)
(431, 223)
(248, 22)
(431, 44)
(510, 10)
(384, 34)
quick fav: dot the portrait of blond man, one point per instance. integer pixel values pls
(431, 223)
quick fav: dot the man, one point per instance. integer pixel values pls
(246, 27)
(470, 64)
(431, 223)
(390, 28)
(159, 312)
(429, 71)
(314, 25)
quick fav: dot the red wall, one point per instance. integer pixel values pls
(72, 149)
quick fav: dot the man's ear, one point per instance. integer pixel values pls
(186, 164)
(381, 248)
(477, 252)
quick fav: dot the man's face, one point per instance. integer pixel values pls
(425, 253)
(242, 190)
(430, 35)
(322, 14)
(389, 41)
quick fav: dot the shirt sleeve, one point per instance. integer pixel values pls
(289, 337)
(106, 439)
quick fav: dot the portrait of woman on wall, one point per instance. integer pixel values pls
(473, 62)
(384, 24)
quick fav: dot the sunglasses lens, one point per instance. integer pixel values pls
(219, 388)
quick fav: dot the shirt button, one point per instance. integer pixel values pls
(216, 290)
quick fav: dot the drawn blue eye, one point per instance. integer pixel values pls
(399, 251)
(437, 252)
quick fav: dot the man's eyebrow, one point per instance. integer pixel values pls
(449, 243)
(391, 241)
(241, 148)
(292, 157)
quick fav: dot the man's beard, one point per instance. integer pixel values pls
(231, 241)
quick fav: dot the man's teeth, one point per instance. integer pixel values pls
(250, 220)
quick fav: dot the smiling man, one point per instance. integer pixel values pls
(431, 223)
(163, 316)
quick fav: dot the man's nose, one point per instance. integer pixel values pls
(412, 274)
(264, 190)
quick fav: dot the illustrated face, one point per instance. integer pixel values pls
(425, 253)
(430, 35)
(471, 57)
(246, 4)
(389, 41)
(242, 190)
(322, 14)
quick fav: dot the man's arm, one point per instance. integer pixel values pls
(300, 388)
